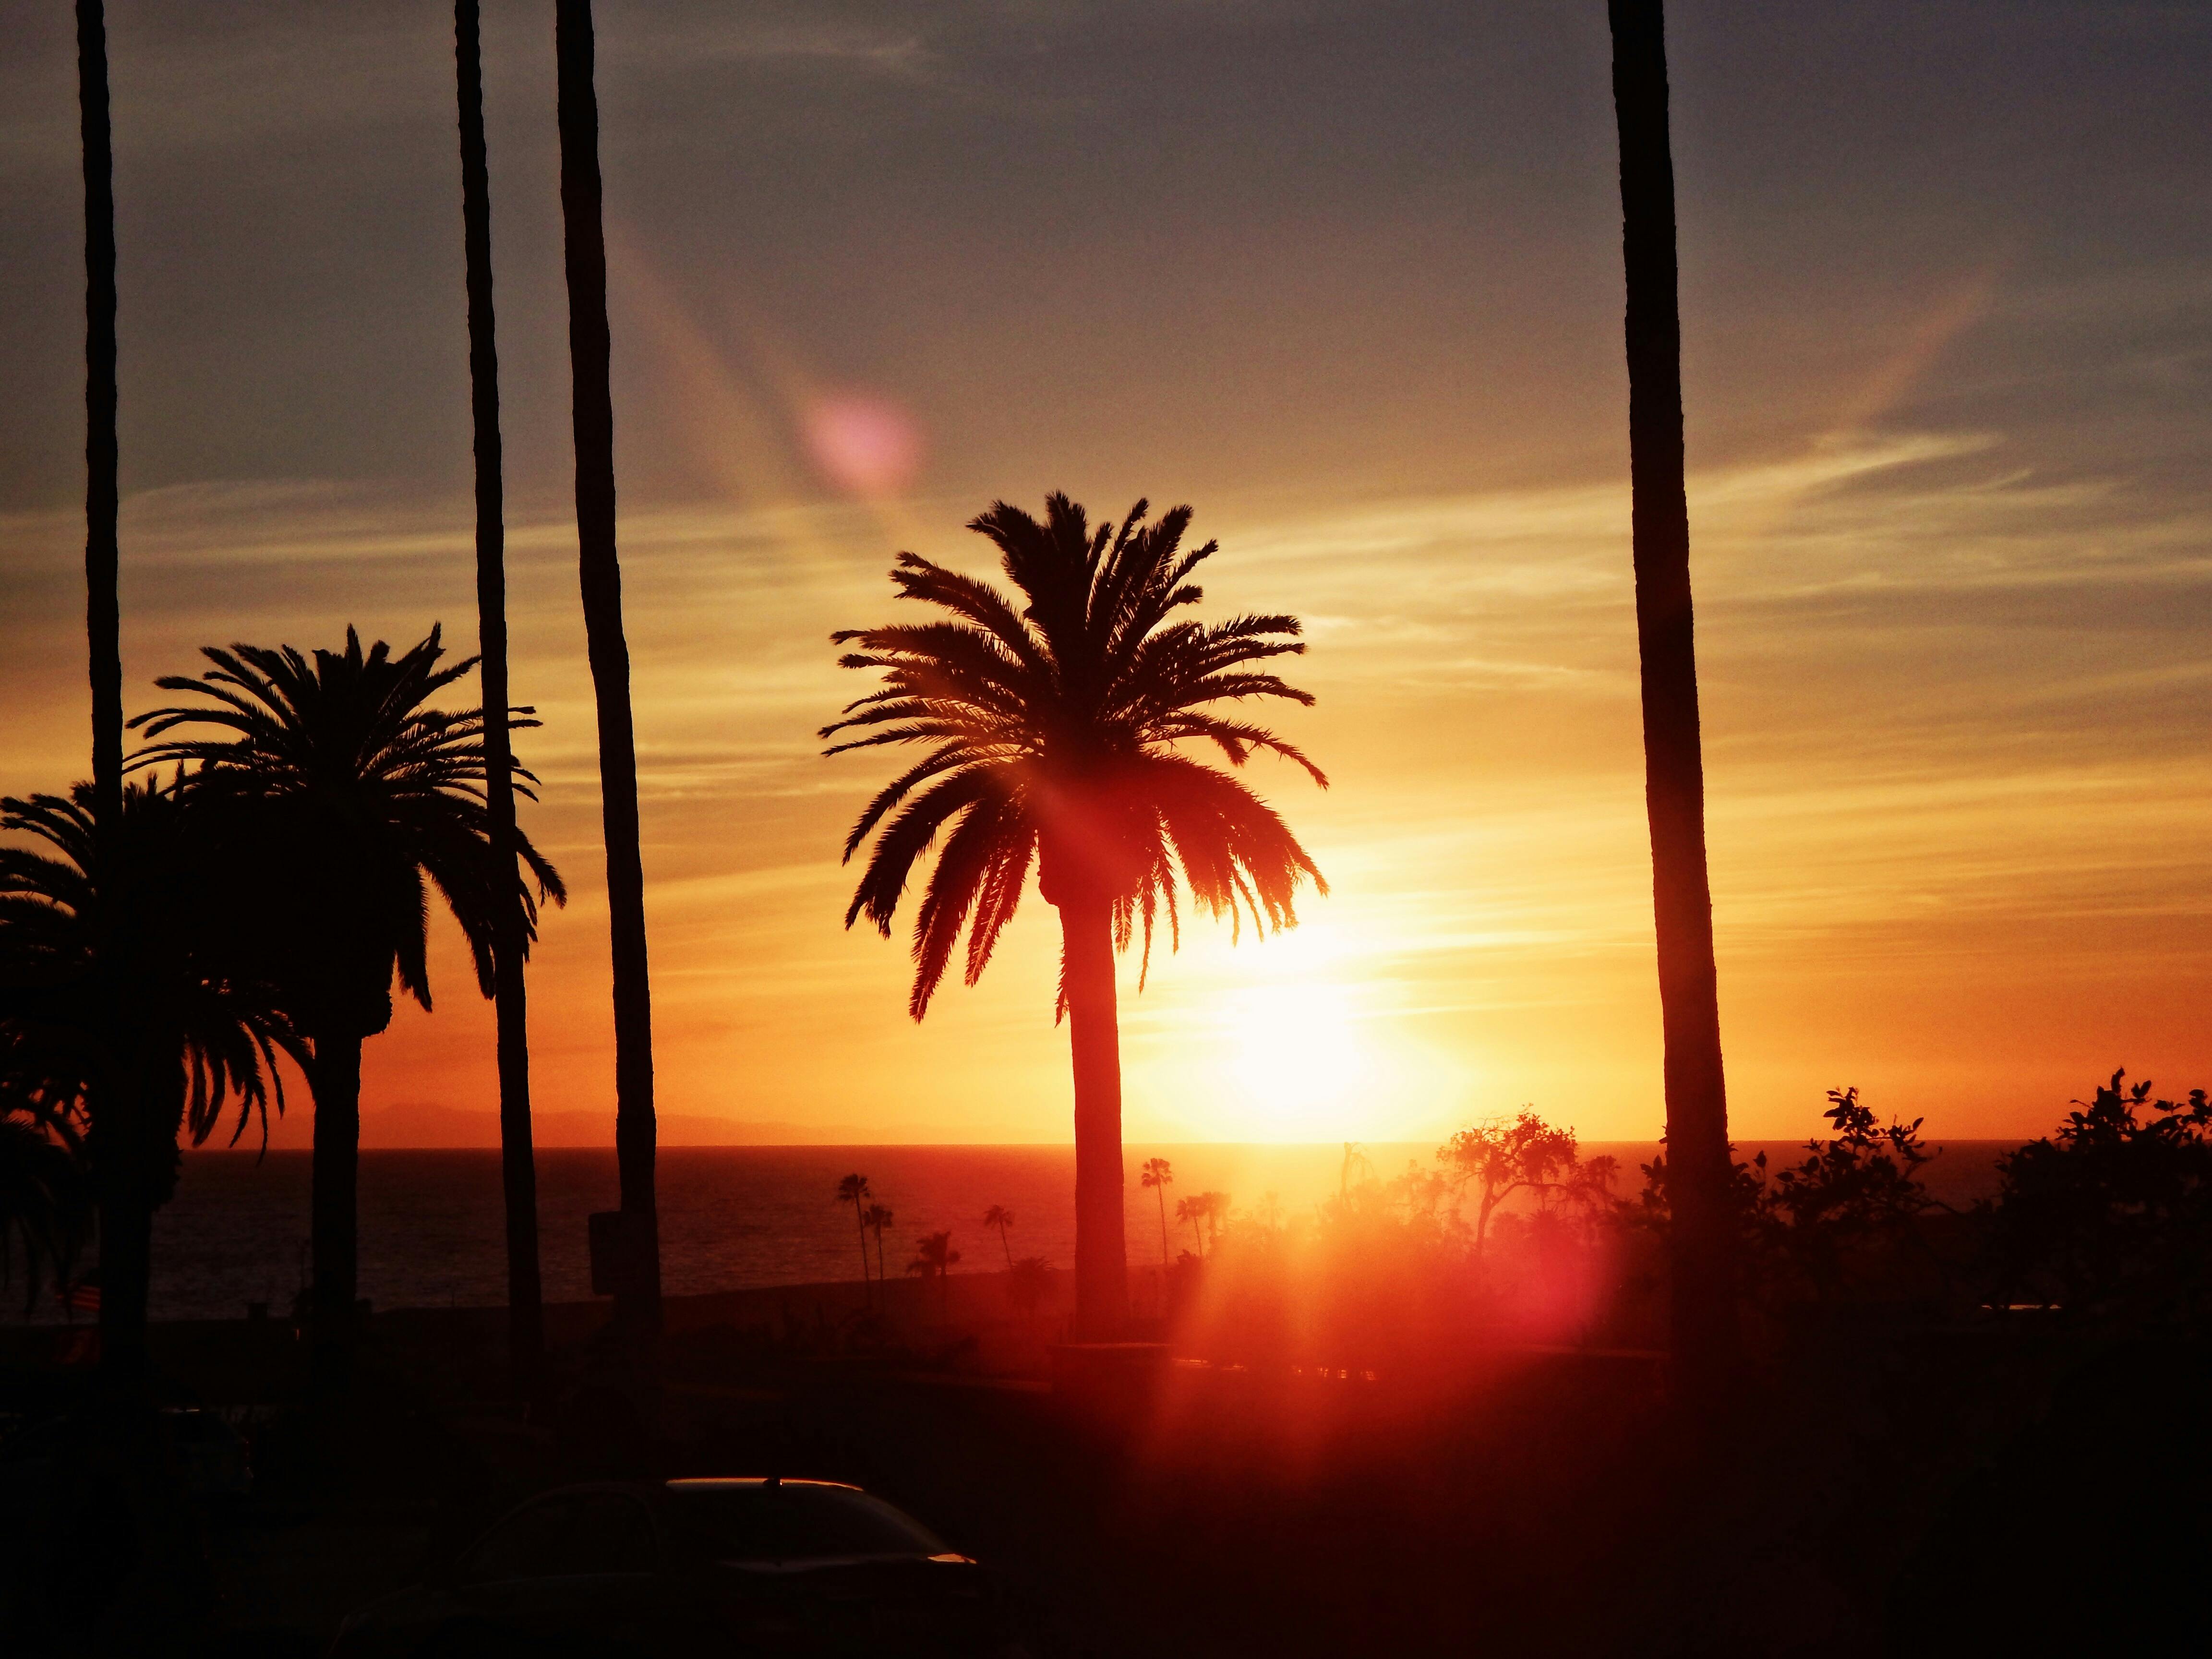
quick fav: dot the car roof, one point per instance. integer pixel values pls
(745, 1482)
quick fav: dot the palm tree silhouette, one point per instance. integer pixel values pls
(853, 1190)
(525, 1326)
(878, 1218)
(935, 1254)
(132, 916)
(1000, 1217)
(1159, 1174)
(637, 1302)
(1702, 1270)
(1193, 1210)
(1054, 723)
(351, 793)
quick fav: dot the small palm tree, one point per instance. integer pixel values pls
(1214, 1207)
(352, 797)
(878, 1218)
(1159, 1174)
(131, 1003)
(1193, 1210)
(853, 1190)
(1055, 723)
(935, 1255)
(1000, 1217)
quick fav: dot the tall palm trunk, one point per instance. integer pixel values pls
(102, 611)
(133, 1170)
(526, 1318)
(1102, 1289)
(637, 1302)
(1702, 1265)
(125, 1224)
(334, 1075)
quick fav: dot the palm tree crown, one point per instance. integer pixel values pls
(372, 791)
(132, 916)
(1055, 722)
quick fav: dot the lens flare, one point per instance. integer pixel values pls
(864, 445)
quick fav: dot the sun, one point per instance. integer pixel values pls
(1297, 1060)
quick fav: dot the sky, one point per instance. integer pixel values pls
(1346, 278)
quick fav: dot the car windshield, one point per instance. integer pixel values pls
(793, 1521)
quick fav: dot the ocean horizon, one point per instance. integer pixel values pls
(432, 1220)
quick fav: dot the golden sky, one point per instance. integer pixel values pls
(1345, 279)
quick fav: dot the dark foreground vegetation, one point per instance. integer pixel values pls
(1429, 1413)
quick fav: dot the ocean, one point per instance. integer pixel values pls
(731, 1218)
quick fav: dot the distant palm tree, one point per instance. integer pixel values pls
(352, 793)
(1193, 1210)
(525, 1338)
(129, 1001)
(1000, 1217)
(1055, 722)
(935, 1255)
(637, 1299)
(1159, 1174)
(878, 1218)
(853, 1190)
(1214, 1208)
(1700, 1243)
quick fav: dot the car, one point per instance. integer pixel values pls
(666, 1570)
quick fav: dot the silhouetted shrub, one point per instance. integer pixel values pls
(2112, 1216)
(1844, 1223)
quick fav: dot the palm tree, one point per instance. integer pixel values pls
(1054, 723)
(1214, 1208)
(526, 1318)
(350, 792)
(878, 1218)
(1193, 1210)
(637, 1302)
(1000, 1217)
(1159, 1174)
(103, 618)
(1701, 1268)
(935, 1254)
(131, 1000)
(853, 1190)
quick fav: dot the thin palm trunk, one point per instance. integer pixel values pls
(129, 1181)
(862, 1221)
(334, 1074)
(525, 1319)
(1102, 1291)
(1007, 1245)
(102, 611)
(1161, 1193)
(637, 1302)
(1701, 1266)
(124, 1231)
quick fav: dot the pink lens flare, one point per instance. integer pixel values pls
(862, 444)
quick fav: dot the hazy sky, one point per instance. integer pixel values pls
(1346, 278)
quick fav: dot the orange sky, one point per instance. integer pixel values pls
(1948, 510)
